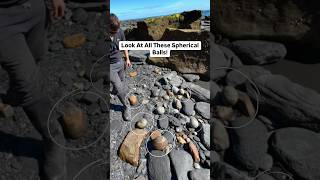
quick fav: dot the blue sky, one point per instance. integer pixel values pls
(134, 9)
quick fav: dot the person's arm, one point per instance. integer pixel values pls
(126, 54)
(59, 8)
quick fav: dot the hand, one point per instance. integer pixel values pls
(128, 63)
(59, 8)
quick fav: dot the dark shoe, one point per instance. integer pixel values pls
(54, 165)
(126, 114)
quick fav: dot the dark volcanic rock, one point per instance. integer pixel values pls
(182, 163)
(159, 167)
(249, 144)
(199, 93)
(258, 52)
(298, 149)
(235, 78)
(286, 102)
(200, 174)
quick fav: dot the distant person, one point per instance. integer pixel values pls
(22, 45)
(117, 65)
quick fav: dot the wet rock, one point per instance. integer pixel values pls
(199, 93)
(286, 102)
(74, 121)
(188, 107)
(200, 174)
(74, 41)
(298, 149)
(205, 135)
(130, 147)
(254, 134)
(182, 163)
(203, 109)
(191, 77)
(258, 52)
(220, 136)
(158, 168)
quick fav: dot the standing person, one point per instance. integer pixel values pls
(22, 45)
(117, 66)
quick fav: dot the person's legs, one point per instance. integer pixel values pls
(16, 58)
(119, 88)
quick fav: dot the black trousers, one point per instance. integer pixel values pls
(22, 45)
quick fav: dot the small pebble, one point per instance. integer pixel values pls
(181, 140)
(194, 122)
(178, 129)
(175, 89)
(182, 91)
(160, 110)
(166, 97)
(180, 97)
(142, 123)
(196, 165)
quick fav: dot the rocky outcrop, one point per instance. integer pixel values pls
(298, 150)
(191, 62)
(286, 102)
(154, 28)
(286, 21)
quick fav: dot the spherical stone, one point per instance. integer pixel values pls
(230, 95)
(142, 123)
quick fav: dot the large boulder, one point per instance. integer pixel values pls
(247, 72)
(288, 21)
(287, 103)
(182, 163)
(158, 167)
(298, 150)
(249, 143)
(192, 62)
(130, 148)
(258, 52)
